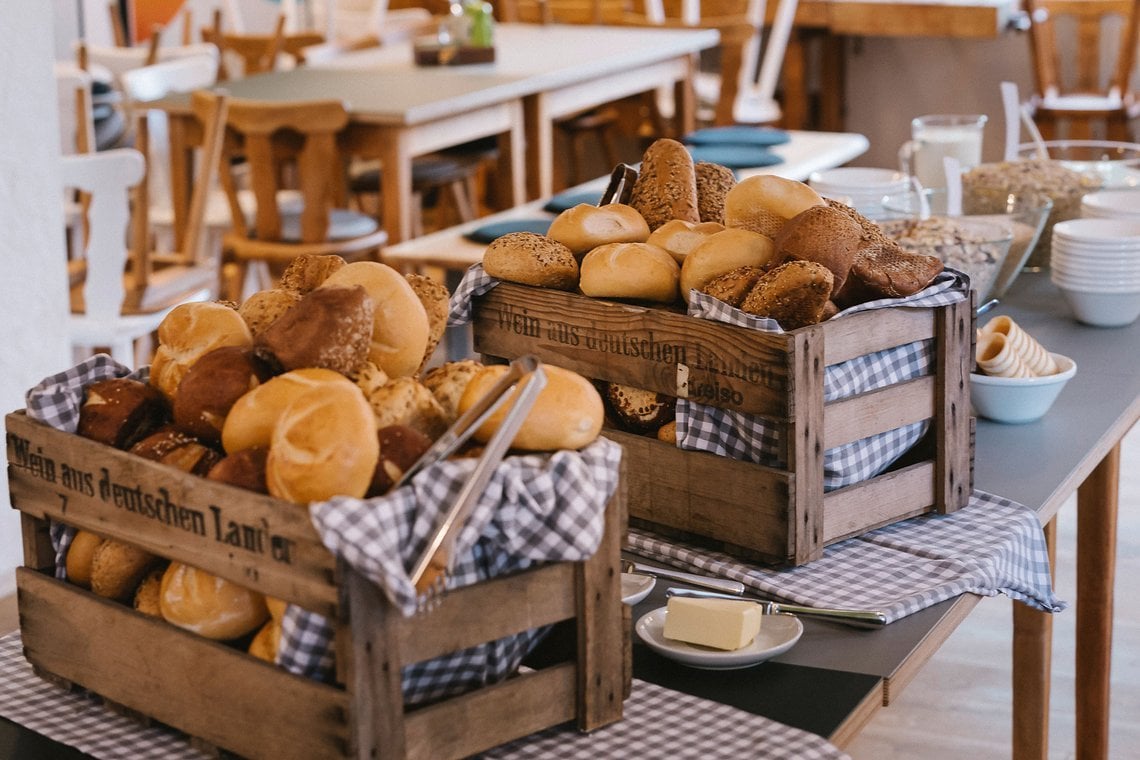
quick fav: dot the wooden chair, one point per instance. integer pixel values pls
(257, 53)
(77, 135)
(279, 140)
(1083, 97)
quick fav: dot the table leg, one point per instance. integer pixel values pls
(539, 146)
(833, 83)
(1032, 667)
(181, 172)
(1097, 503)
(685, 99)
(794, 82)
(396, 186)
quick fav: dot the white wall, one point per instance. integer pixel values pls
(33, 280)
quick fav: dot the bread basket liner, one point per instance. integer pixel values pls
(746, 437)
(537, 508)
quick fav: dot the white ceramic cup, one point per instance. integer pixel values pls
(937, 136)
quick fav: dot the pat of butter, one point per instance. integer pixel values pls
(718, 623)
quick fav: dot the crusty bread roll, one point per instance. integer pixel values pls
(435, 299)
(308, 271)
(119, 412)
(118, 567)
(713, 183)
(794, 294)
(723, 252)
(80, 555)
(263, 308)
(636, 409)
(208, 605)
(407, 401)
(630, 270)
(400, 323)
(447, 382)
(323, 445)
(531, 259)
(824, 235)
(212, 386)
(567, 414)
(330, 327)
(584, 226)
(252, 417)
(763, 203)
(679, 237)
(189, 332)
(666, 186)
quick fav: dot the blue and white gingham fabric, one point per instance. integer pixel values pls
(746, 437)
(536, 508)
(991, 546)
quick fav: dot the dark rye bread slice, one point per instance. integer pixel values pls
(884, 270)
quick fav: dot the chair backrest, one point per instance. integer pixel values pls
(273, 137)
(76, 119)
(1098, 36)
(257, 53)
(119, 60)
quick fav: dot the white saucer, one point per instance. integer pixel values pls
(636, 586)
(777, 635)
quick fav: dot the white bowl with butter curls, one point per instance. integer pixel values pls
(1016, 379)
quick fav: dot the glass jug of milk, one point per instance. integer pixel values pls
(936, 136)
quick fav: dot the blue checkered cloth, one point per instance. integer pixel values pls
(536, 508)
(747, 437)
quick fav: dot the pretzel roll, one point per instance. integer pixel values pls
(666, 186)
(679, 237)
(120, 412)
(323, 445)
(531, 259)
(189, 332)
(252, 417)
(765, 202)
(584, 227)
(630, 270)
(212, 386)
(567, 414)
(400, 323)
(723, 252)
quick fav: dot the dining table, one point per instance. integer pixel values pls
(399, 110)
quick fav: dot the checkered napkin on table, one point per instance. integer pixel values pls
(536, 508)
(746, 437)
(657, 722)
(991, 546)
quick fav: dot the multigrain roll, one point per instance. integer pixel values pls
(252, 418)
(630, 270)
(148, 595)
(666, 186)
(189, 332)
(117, 568)
(309, 271)
(434, 297)
(447, 383)
(407, 401)
(209, 605)
(794, 294)
(733, 287)
(713, 183)
(330, 327)
(824, 235)
(567, 414)
(400, 326)
(531, 259)
(679, 237)
(584, 226)
(264, 307)
(724, 252)
(764, 203)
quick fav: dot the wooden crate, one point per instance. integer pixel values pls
(226, 698)
(755, 512)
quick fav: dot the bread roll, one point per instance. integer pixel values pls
(330, 327)
(763, 203)
(733, 287)
(209, 605)
(309, 271)
(713, 183)
(436, 302)
(724, 252)
(148, 595)
(400, 324)
(264, 307)
(630, 270)
(531, 259)
(666, 186)
(400, 448)
(567, 414)
(212, 386)
(80, 555)
(824, 235)
(323, 445)
(636, 409)
(447, 382)
(667, 433)
(884, 270)
(794, 294)
(266, 642)
(189, 332)
(679, 237)
(177, 448)
(253, 416)
(244, 469)
(406, 401)
(584, 227)
(119, 412)
(118, 567)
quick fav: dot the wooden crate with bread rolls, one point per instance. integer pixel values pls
(607, 299)
(186, 646)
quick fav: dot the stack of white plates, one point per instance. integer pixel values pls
(1111, 204)
(862, 188)
(1096, 264)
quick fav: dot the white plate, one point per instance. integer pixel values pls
(777, 635)
(635, 587)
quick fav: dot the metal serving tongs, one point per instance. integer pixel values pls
(429, 574)
(620, 187)
(858, 618)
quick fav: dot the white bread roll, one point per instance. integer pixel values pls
(630, 270)
(679, 237)
(324, 445)
(567, 414)
(765, 202)
(400, 327)
(189, 332)
(723, 252)
(584, 226)
(207, 605)
(251, 419)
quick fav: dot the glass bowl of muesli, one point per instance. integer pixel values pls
(973, 246)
